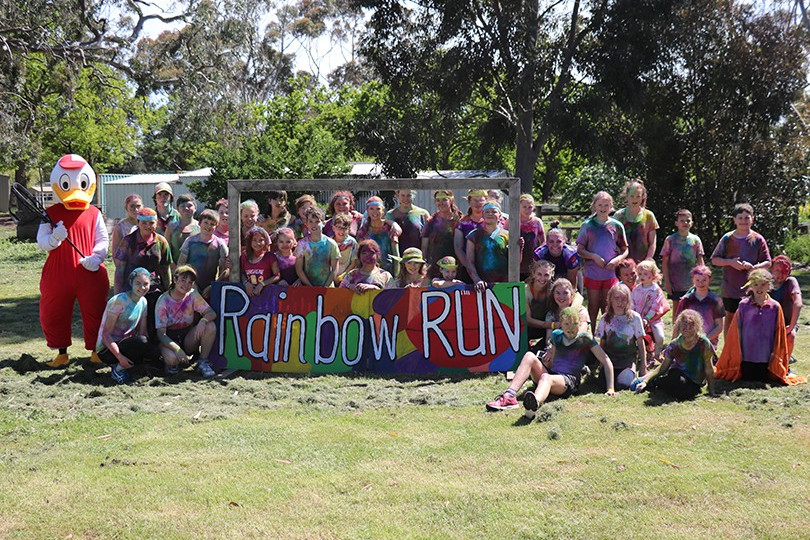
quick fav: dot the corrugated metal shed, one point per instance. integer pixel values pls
(116, 190)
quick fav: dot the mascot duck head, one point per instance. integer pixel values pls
(74, 181)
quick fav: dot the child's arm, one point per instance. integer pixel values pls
(299, 269)
(611, 264)
(652, 240)
(585, 254)
(276, 273)
(709, 365)
(333, 274)
(793, 316)
(665, 267)
(476, 279)
(661, 368)
(714, 333)
(607, 365)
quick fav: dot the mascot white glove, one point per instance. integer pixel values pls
(90, 263)
(59, 233)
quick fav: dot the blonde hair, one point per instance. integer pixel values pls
(600, 195)
(620, 289)
(650, 267)
(759, 275)
(688, 317)
(570, 313)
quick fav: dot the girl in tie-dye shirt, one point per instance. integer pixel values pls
(487, 249)
(410, 218)
(532, 232)
(437, 236)
(621, 333)
(639, 223)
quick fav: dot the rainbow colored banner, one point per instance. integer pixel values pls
(412, 330)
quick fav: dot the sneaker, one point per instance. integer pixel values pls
(205, 368)
(504, 402)
(119, 374)
(530, 404)
(171, 370)
(792, 360)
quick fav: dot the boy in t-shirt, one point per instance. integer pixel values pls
(317, 255)
(347, 245)
(206, 253)
(703, 301)
(738, 252)
(682, 252)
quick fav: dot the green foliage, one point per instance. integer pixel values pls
(797, 247)
(297, 136)
(577, 194)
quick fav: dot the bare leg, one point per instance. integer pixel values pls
(594, 303)
(549, 384)
(530, 366)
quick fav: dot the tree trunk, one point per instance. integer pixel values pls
(525, 162)
(21, 173)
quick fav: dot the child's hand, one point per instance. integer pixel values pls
(283, 283)
(521, 243)
(249, 290)
(480, 286)
(610, 392)
(638, 385)
(668, 286)
(599, 261)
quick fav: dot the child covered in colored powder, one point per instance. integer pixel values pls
(651, 303)
(627, 273)
(532, 232)
(259, 265)
(569, 351)
(284, 243)
(737, 253)
(206, 253)
(277, 215)
(317, 255)
(602, 244)
(563, 295)
(476, 199)
(369, 276)
(447, 268)
(410, 218)
(556, 250)
(385, 234)
(706, 303)
(487, 249)
(538, 300)
(682, 252)
(347, 245)
(438, 233)
(756, 343)
(687, 364)
(178, 231)
(639, 223)
(787, 292)
(621, 334)
(248, 218)
(412, 269)
(299, 222)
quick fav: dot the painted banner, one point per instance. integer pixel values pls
(412, 330)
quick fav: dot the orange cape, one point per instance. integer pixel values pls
(728, 366)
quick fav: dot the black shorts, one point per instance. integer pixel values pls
(731, 304)
(178, 335)
(571, 383)
(675, 383)
(676, 295)
(755, 371)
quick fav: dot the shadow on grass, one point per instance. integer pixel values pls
(19, 320)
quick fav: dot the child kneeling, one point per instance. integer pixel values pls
(687, 363)
(568, 354)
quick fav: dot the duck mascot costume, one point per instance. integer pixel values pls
(67, 275)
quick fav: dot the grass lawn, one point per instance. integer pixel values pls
(371, 457)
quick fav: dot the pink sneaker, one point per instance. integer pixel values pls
(504, 402)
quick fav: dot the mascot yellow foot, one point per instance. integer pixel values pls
(95, 359)
(60, 361)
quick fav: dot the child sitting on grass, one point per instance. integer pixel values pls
(448, 267)
(687, 364)
(756, 343)
(710, 306)
(569, 352)
(621, 334)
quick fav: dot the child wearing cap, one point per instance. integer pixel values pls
(412, 269)
(163, 198)
(447, 268)
(756, 343)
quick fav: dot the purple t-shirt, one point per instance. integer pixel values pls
(752, 249)
(286, 267)
(710, 308)
(784, 295)
(757, 326)
(604, 239)
(681, 254)
(569, 359)
(533, 236)
(638, 231)
(412, 223)
(568, 259)
(439, 231)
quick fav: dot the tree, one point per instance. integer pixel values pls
(520, 55)
(705, 89)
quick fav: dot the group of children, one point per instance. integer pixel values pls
(757, 312)
(409, 247)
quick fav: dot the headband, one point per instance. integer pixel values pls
(147, 218)
(491, 206)
(477, 193)
(374, 203)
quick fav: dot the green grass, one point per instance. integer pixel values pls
(371, 457)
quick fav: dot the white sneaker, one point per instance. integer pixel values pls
(205, 368)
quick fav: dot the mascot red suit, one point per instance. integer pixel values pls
(68, 276)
